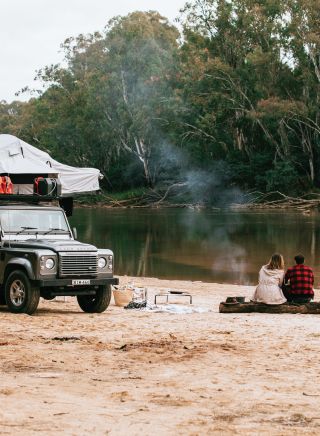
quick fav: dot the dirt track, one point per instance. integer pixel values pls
(128, 372)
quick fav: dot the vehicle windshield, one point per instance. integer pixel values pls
(33, 221)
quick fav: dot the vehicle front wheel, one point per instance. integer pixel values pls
(96, 303)
(2, 299)
(20, 295)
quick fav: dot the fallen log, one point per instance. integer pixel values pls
(278, 200)
(308, 308)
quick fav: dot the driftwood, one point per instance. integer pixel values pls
(278, 200)
(308, 308)
(149, 198)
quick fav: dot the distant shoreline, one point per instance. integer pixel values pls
(151, 199)
(231, 208)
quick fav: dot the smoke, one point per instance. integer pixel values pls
(205, 187)
(216, 241)
(148, 107)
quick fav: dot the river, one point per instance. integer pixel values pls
(221, 247)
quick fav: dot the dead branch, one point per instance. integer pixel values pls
(175, 185)
(278, 200)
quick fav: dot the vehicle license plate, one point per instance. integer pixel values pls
(81, 282)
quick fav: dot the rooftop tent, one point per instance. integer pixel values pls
(23, 163)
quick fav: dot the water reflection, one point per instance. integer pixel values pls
(220, 247)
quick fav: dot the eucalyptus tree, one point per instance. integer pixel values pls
(140, 61)
(303, 49)
(239, 56)
(249, 88)
(111, 97)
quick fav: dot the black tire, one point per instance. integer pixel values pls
(96, 303)
(20, 295)
(2, 298)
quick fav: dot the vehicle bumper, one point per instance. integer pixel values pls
(62, 283)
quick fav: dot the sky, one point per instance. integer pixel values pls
(31, 32)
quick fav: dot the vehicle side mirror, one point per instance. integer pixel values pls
(75, 233)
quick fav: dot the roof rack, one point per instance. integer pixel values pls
(29, 198)
(65, 202)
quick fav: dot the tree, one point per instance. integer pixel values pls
(248, 86)
(115, 88)
(141, 59)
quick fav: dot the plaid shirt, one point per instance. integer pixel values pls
(301, 280)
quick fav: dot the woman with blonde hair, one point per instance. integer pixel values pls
(271, 277)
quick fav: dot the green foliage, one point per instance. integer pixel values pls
(111, 198)
(128, 195)
(250, 172)
(283, 177)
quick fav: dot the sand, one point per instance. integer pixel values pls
(143, 373)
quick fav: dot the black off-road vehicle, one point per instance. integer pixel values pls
(39, 257)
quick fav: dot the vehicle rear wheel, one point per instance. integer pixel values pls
(20, 295)
(96, 303)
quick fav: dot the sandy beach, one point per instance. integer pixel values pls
(141, 373)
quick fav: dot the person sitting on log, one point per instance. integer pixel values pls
(271, 277)
(299, 281)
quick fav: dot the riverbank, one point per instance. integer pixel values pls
(131, 372)
(248, 201)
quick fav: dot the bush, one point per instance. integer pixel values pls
(284, 178)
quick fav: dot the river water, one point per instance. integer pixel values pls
(221, 247)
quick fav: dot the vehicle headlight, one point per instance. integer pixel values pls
(102, 262)
(49, 263)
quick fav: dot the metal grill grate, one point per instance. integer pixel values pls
(72, 264)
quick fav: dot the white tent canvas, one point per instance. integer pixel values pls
(18, 157)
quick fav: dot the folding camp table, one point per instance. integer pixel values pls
(173, 294)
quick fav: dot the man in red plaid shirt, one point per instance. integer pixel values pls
(300, 278)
